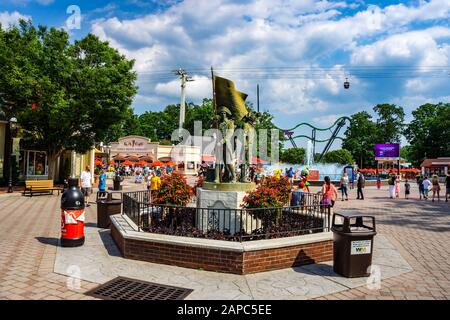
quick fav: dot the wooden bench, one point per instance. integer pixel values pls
(39, 186)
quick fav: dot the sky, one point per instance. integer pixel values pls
(299, 52)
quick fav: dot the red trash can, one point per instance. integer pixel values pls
(72, 216)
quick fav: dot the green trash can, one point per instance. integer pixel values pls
(353, 235)
(108, 203)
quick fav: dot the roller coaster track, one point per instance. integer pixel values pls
(339, 123)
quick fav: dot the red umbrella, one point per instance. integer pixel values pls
(142, 163)
(112, 162)
(97, 162)
(156, 164)
(258, 160)
(127, 163)
(170, 164)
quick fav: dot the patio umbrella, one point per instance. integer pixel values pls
(127, 163)
(97, 162)
(142, 163)
(119, 157)
(170, 164)
(133, 158)
(258, 160)
(112, 162)
(146, 158)
(156, 164)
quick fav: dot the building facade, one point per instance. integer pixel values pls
(439, 166)
(137, 146)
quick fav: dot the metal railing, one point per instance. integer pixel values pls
(228, 224)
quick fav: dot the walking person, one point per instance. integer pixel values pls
(102, 182)
(155, 183)
(360, 185)
(344, 186)
(426, 187)
(407, 189)
(86, 184)
(435, 186)
(290, 175)
(421, 189)
(329, 192)
(397, 186)
(378, 182)
(447, 187)
(391, 183)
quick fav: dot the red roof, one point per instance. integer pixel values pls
(439, 162)
(207, 157)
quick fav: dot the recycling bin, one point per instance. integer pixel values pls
(353, 235)
(108, 203)
(72, 215)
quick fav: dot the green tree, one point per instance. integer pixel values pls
(293, 155)
(429, 132)
(341, 156)
(390, 123)
(405, 153)
(360, 138)
(65, 96)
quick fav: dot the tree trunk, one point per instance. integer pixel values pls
(52, 157)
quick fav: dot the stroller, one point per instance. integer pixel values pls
(138, 179)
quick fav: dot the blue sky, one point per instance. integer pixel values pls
(299, 52)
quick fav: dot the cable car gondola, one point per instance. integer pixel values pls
(346, 84)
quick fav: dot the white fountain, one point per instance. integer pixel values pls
(309, 156)
(333, 170)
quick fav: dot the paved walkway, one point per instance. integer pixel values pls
(420, 231)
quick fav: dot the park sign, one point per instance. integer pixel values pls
(387, 151)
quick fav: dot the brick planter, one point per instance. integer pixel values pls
(221, 256)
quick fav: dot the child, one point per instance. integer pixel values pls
(378, 182)
(407, 189)
(426, 187)
(397, 186)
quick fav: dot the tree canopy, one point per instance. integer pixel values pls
(341, 156)
(64, 95)
(293, 155)
(360, 138)
(429, 132)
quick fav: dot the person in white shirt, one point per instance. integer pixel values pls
(86, 184)
(426, 187)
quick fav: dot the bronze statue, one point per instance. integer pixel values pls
(249, 122)
(231, 109)
(226, 129)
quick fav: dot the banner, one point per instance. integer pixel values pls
(388, 151)
(228, 96)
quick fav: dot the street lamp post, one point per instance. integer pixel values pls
(12, 124)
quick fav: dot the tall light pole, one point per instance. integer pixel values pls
(12, 124)
(184, 79)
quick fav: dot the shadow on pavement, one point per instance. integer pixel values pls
(108, 242)
(49, 241)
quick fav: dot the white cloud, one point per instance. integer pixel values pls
(26, 2)
(244, 40)
(326, 120)
(417, 48)
(10, 18)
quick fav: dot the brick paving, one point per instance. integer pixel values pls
(29, 232)
(420, 231)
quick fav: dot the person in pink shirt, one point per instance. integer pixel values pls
(329, 192)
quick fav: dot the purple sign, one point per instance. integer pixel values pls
(387, 150)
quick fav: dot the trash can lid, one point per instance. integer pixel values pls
(353, 214)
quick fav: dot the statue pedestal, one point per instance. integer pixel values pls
(228, 215)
